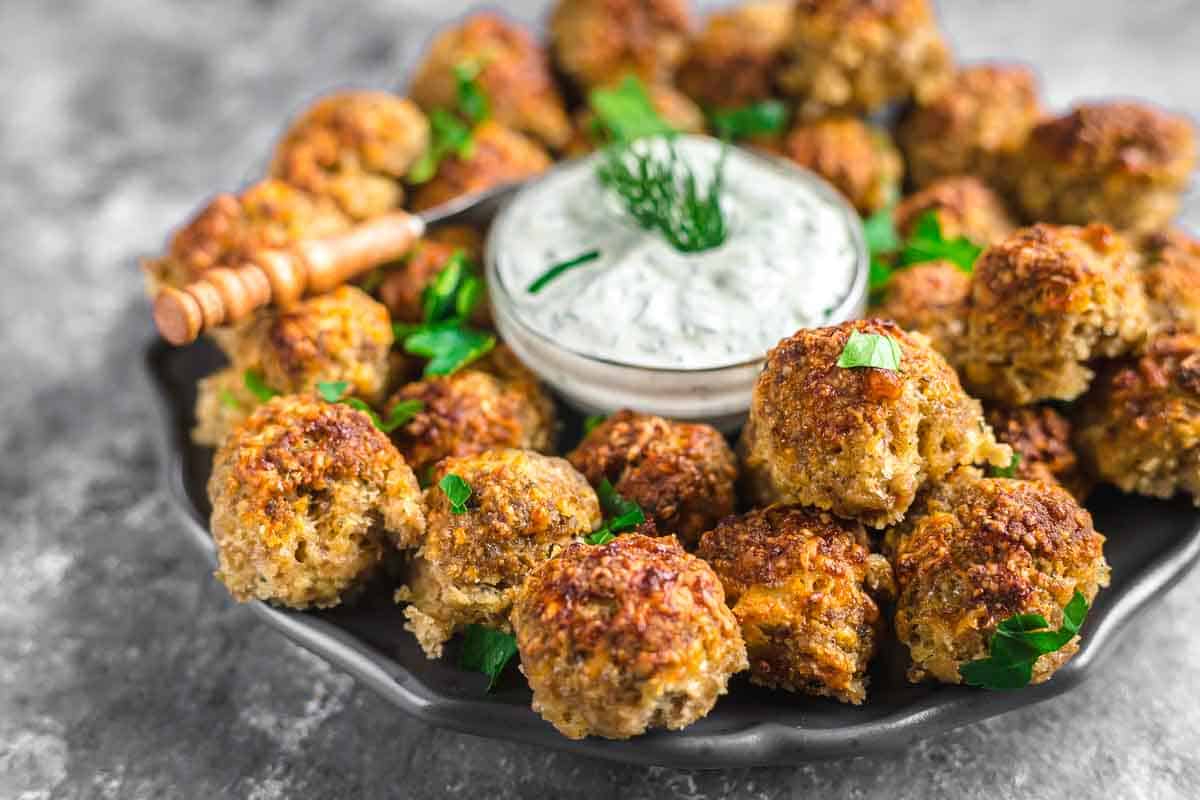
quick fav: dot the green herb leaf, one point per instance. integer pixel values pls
(457, 491)
(626, 112)
(470, 292)
(621, 515)
(592, 422)
(333, 391)
(602, 536)
(488, 651)
(449, 346)
(879, 230)
(928, 244)
(472, 101)
(876, 350)
(257, 386)
(402, 412)
(1007, 472)
(440, 298)
(561, 267)
(764, 118)
(449, 136)
(1019, 642)
(229, 400)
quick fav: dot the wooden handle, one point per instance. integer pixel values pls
(282, 277)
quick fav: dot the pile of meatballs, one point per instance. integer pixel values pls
(860, 506)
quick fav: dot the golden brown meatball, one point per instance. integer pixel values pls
(354, 148)
(524, 507)
(974, 551)
(1041, 440)
(494, 403)
(964, 206)
(681, 474)
(513, 71)
(732, 61)
(1044, 303)
(623, 637)
(857, 158)
(860, 55)
(1170, 273)
(977, 125)
(673, 107)
(1139, 425)
(802, 584)
(305, 497)
(1120, 163)
(930, 298)
(598, 42)
(404, 285)
(858, 442)
(499, 155)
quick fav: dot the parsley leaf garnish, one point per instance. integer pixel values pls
(488, 651)
(229, 400)
(1018, 643)
(1007, 472)
(621, 515)
(472, 101)
(876, 350)
(401, 413)
(626, 113)
(561, 267)
(449, 136)
(439, 300)
(257, 386)
(333, 391)
(457, 491)
(591, 422)
(764, 118)
(449, 346)
(928, 244)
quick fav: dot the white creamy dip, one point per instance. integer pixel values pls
(791, 260)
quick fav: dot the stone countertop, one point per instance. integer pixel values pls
(125, 670)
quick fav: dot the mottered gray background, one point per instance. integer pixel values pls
(126, 671)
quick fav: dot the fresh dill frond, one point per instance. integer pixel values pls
(662, 194)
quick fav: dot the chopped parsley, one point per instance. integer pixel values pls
(450, 130)
(401, 413)
(592, 422)
(764, 118)
(1018, 643)
(457, 491)
(449, 346)
(257, 386)
(876, 350)
(890, 253)
(472, 100)
(621, 515)
(1007, 472)
(625, 112)
(488, 651)
(229, 400)
(561, 267)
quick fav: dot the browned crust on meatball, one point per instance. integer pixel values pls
(860, 55)
(974, 551)
(514, 73)
(524, 508)
(931, 299)
(1170, 276)
(1120, 163)
(1044, 303)
(977, 125)
(732, 61)
(857, 158)
(305, 497)
(1041, 437)
(858, 442)
(598, 42)
(354, 148)
(620, 638)
(681, 474)
(801, 583)
(499, 155)
(1139, 425)
(964, 206)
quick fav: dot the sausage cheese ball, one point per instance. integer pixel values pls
(1170, 273)
(859, 442)
(681, 474)
(860, 55)
(802, 584)
(1041, 440)
(523, 508)
(1120, 163)
(308, 498)
(859, 159)
(974, 551)
(598, 42)
(931, 299)
(513, 72)
(498, 155)
(964, 206)
(977, 125)
(494, 403)
(1139, 425)
(619, 638)
(1044, 303)
(732, 61)
(354, 148)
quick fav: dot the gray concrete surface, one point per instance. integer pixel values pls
(126, 672)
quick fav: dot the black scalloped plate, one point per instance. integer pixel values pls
(1151, 545)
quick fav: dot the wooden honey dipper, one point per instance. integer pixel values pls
(282, 276)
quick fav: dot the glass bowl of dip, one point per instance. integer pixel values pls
(645, 326)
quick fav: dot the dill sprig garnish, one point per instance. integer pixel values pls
(662, 194)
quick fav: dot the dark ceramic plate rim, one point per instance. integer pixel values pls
(761, 743)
